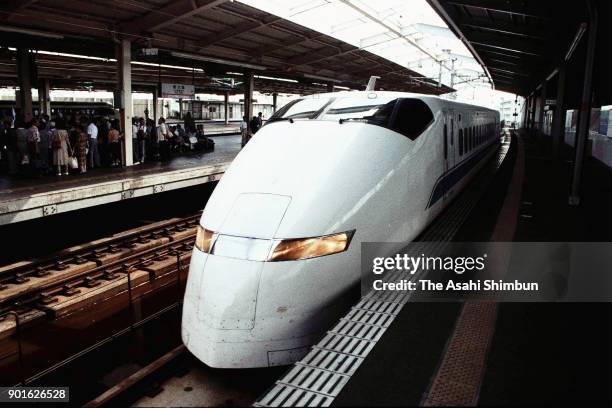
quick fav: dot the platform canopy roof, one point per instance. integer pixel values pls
(518, 42)
(216, 36)
(72, 72)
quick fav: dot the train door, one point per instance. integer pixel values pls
(448, 140)
(446, 145)
(452, 136)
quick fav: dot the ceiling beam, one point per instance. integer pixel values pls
(8, 8)
(510, 72)
(171, 13)
(286, 43)
(526, 8)
(501, 54)
(316, 56)
(235, 31)
(509, 29)
(507, 44)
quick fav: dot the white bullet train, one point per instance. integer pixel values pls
(278, 246)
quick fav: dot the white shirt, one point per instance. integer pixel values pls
(162, 133)
(134, 132)
(92, 131)
(243, 125)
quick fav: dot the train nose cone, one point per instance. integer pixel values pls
(230, 279)
(255, 215)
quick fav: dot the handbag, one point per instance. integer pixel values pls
(74, 163)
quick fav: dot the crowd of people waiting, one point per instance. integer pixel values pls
(80, 143)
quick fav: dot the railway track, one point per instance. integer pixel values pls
(81, 281)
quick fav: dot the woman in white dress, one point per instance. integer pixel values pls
(61, 150)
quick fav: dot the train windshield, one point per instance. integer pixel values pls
(408, 116)
(370, 108)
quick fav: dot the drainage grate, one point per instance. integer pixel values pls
(320, 376)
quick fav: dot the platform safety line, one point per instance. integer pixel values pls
(272, 398)
(458, 380)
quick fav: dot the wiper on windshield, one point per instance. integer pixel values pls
(272, 120)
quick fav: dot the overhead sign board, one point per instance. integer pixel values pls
(149, 51)
(180, 91)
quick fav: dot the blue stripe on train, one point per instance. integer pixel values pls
(446, 181)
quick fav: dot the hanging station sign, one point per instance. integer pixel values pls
(179, 91)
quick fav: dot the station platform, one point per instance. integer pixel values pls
(538, 353)
(25, 199)
(490, 354)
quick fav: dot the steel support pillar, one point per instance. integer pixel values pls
(582, 133)
(248, 97)
(527, 112)
(525, 115)
(532, 113)
(44, 97)
(24, 77)
(124, 58)
(542, 103)
(156, 109)
(226, 105)
(274, 101)
(558, 126)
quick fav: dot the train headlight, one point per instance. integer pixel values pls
(204, 239)
(305, 248)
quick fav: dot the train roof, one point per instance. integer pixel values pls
(433, 100)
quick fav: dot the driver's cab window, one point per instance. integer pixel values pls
(411, 117)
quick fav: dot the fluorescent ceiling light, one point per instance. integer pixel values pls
(276, 79)
(216, 60)
(148, 64)
(152, 64)
(31, 32)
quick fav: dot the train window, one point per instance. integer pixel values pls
(473, 141)
(300, 108)
(460, 141)
(445, 142)
(377, 109)
(411, 117)
(452, 130)
(470, 138)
